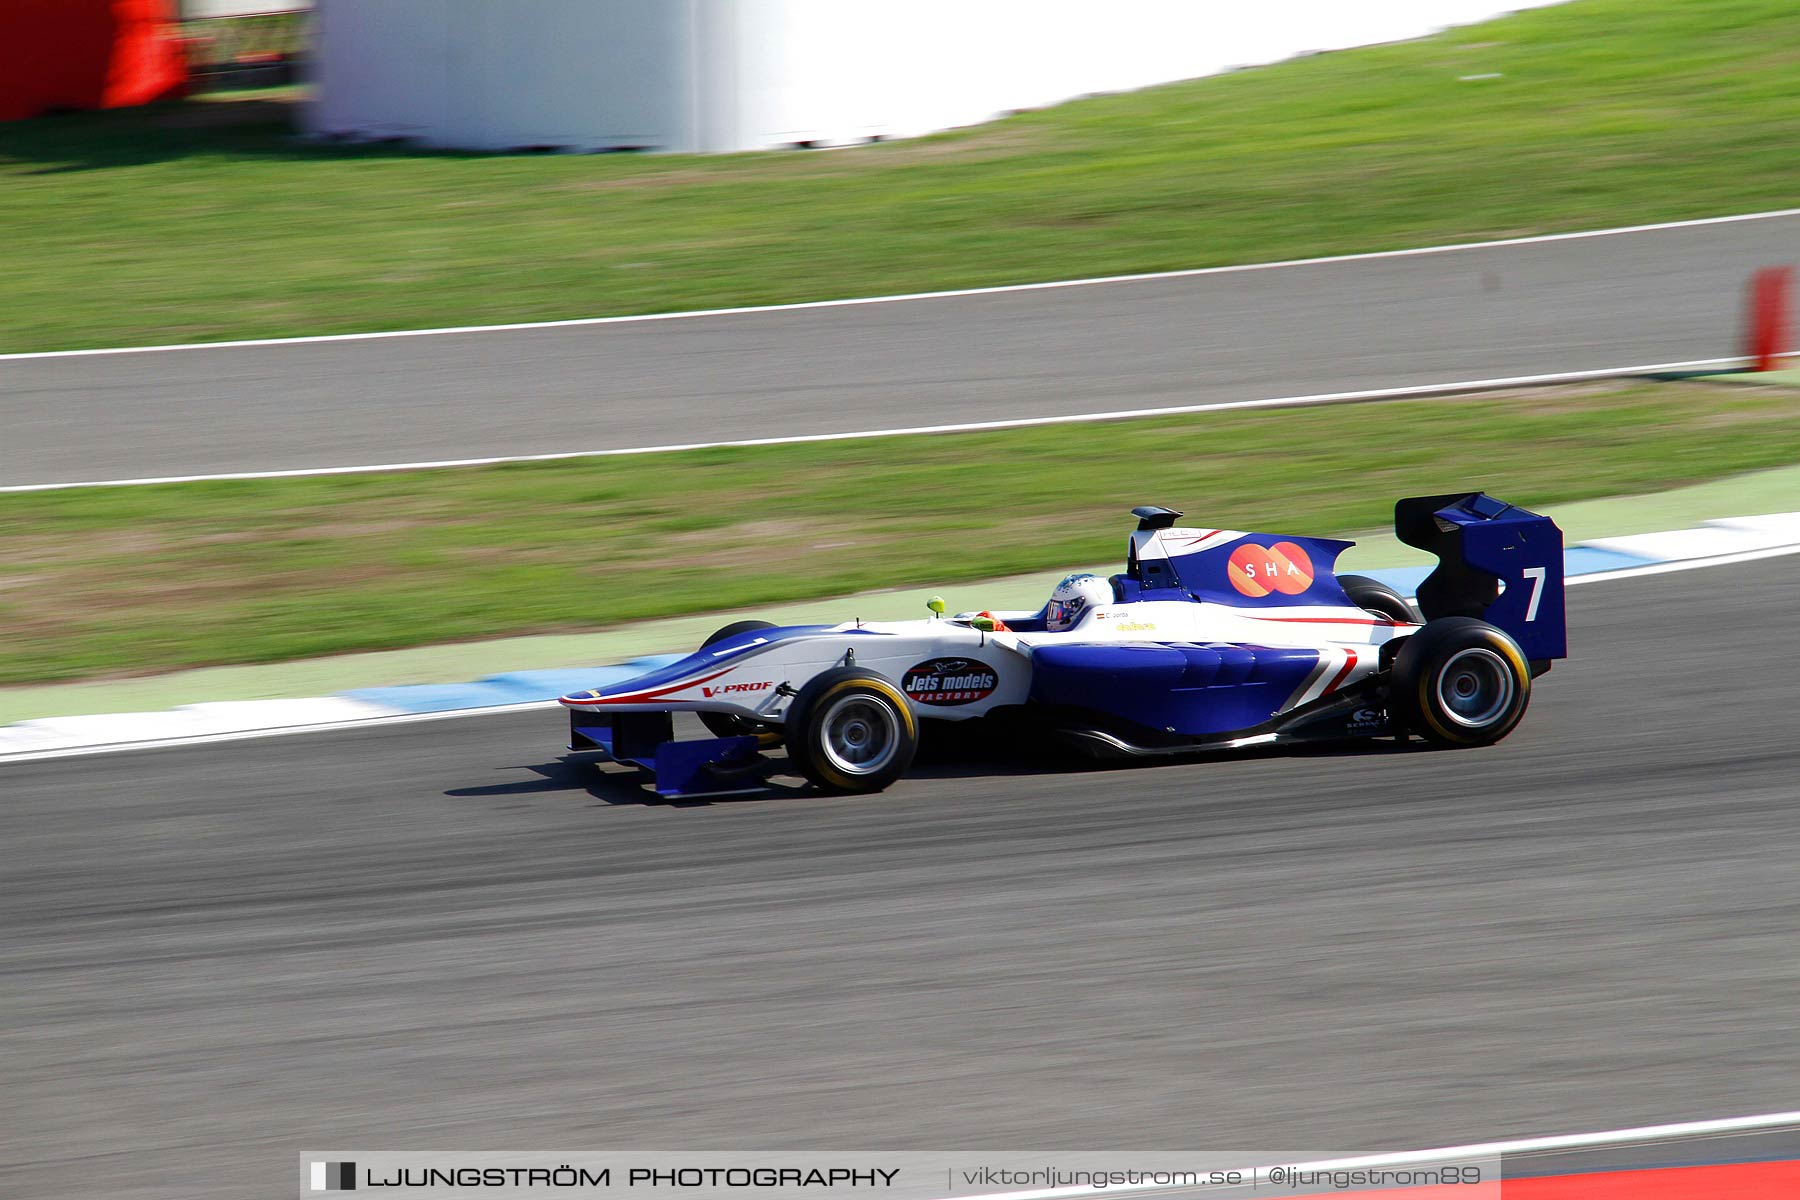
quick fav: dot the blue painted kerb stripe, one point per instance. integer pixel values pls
(514, 687)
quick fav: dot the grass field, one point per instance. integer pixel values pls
(209, 220)
(132, 580)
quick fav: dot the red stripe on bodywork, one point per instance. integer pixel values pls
(1341, 675)
(636, 697)
(1332, 620)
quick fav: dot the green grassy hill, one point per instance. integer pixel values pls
(102, 581)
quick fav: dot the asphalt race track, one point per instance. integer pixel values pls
(436, 936)
(1656, 297)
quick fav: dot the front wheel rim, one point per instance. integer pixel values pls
(861, 735)
(1475, 688)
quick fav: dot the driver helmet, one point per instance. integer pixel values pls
(1072, 599)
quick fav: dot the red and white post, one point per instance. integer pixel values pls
(1771, 293)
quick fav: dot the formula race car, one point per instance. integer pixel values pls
(1211, 639)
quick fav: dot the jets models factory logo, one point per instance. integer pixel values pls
(1260, 570)
(950, 681)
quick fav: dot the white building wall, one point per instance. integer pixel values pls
(190, 10)
(722, 75)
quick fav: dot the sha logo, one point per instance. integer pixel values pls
(1259, 570)
(950, 681)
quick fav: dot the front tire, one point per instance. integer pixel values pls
(851, 731)
(1460, 682)
(724, 724)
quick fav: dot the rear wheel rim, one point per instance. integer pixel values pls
(1475, 688)
(861, 735)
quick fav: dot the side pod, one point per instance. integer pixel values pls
(1496, 562)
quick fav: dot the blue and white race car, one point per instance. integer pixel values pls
(1210, 639)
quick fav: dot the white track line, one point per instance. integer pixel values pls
(1571, 1141)
(1366, 396)
(906, 297)
(239, 735)
(1685, 564)
(528, 706)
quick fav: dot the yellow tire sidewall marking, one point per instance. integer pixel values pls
(1521, 682)
(838, 778)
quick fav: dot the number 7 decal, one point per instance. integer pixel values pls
(1536, 575)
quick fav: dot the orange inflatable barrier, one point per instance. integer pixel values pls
(66, 55)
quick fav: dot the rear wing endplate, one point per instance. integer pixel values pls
(1496, 561)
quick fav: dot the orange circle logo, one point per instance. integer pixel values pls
(1259, 570)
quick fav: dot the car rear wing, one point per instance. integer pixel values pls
(1497, 562)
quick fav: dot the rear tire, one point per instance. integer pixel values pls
(1378, 598)
(852, 731)
(722, 724)
(1460, 682)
